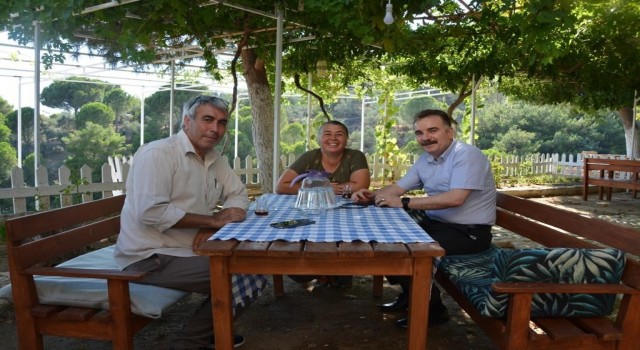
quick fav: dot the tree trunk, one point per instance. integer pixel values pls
(262, 128)
(631, 132)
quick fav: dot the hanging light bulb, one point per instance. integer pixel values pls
(388, 17)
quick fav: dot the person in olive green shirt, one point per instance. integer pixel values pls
(348, 168)
(348, 172)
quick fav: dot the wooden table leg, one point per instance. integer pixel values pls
(419, 303)
(221, 302)
(378, 284)
(278, 285)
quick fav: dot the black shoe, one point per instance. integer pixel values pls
(402, 323)
(435, 318)
(400, 303)
(238, 340)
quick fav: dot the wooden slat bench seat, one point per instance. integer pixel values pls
(554, 228)
(606, 170)
(37, 243)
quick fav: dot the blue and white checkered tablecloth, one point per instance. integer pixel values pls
(383, 225)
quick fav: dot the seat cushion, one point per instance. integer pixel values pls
(146, 300)
(474, 274)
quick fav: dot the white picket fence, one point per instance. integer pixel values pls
(114, 174)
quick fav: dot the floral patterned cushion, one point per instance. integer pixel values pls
(474, 274)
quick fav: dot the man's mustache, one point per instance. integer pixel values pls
(428, 143)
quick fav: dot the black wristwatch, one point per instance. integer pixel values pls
(405, 202)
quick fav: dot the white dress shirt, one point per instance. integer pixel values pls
(167, 180)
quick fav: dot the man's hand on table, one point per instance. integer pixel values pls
(220, 219)
(228, 215)
(365, 196)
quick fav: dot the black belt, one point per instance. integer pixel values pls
(475, 227)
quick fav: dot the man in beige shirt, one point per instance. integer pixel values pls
(173, 190)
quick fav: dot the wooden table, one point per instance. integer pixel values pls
(345, 258)
(279, 257)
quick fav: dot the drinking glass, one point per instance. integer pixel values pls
(262, 205)
(346, 191)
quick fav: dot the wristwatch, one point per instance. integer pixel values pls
(405, 202)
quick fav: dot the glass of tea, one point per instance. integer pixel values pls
(262, 205)
(346, 191)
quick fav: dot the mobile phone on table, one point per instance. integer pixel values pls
(292, 223)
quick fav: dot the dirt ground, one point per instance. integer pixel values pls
(330, 318)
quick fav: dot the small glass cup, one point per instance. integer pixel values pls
(262, 205)
(346, 191)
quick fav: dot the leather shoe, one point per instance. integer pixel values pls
(435, 318)
(400, 303)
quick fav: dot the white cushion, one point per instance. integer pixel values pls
(146, 300)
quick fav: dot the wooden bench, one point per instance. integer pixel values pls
(606, 169)
(37, 242)
(554, 227)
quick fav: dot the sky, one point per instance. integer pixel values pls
(17, 72)
(17, 75)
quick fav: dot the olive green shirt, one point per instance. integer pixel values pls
(352, 160)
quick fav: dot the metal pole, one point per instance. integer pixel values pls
(472, 129)
(36, 103)
(278, 93)
(142, 116)
(309, 86)
(235, 138)
(173, 80)
(19, 122)
(362, 126)
(633, 125)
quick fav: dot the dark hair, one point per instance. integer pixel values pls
(437, 112)
(333, 122)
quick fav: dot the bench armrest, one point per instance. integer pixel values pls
(592, 288)
(85, 273)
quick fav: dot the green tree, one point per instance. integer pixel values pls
(293, 139)
(73, 93)
(27, 127)
(245, 140)
(121, 39)
(97, 113)
(447, 44)
(92, 145)
(596, 66)
(122, 104)
(5, 107)
(52, 129)
(8, 157)
(557, 128)
(412, 148)
(28, 169)
(518, 142)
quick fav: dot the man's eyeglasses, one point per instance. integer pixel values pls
(216, 101)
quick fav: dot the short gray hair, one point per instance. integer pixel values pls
(189, 107)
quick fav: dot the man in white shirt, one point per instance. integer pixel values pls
(173, 190)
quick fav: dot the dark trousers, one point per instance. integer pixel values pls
(456, 239)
